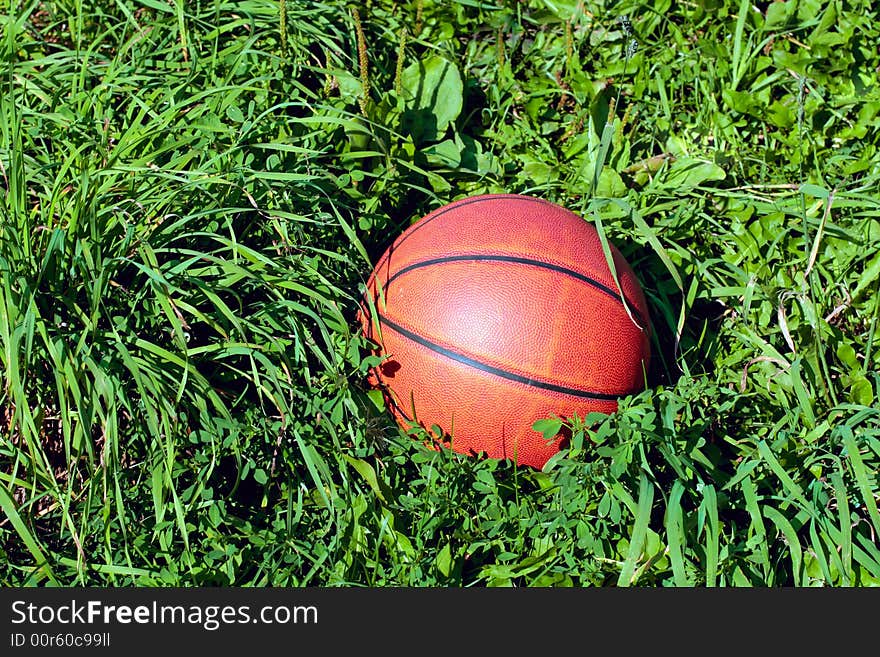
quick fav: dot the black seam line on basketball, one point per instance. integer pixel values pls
(394, 403)
(520, 261)
(439, 212)
(401, 411)
(491, 369)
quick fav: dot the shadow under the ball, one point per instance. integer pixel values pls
(702, 320)
(697, 344)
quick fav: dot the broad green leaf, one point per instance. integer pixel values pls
(778, 14)
(868, 277)
(847, 356)
(377, 398)
(689, 172)
(548, 427)
(610, 184)
(432, 89)
(367, 471)
(538, 171)
(861, 391)
(233, 113)
(814, 190)
(564, 10)
(742, 102)
(443, 561)
(446, 154)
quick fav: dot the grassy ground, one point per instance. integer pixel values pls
(192, 194)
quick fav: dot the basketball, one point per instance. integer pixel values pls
(495, 311)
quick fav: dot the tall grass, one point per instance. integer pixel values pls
(191, 195)
(167, 297)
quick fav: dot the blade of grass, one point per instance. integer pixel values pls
(791, 539)
(819, 552)
(736, 60)
(788, 484)
(805, 404)
(757, 526)
(861, 475)
(843, 514)
(41, 563)
(675, 536)
(639, 531)
(713, 530)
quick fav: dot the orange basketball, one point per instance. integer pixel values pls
(495, 311)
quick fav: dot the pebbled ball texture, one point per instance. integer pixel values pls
(498, 310)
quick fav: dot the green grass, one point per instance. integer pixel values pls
(191, 197)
